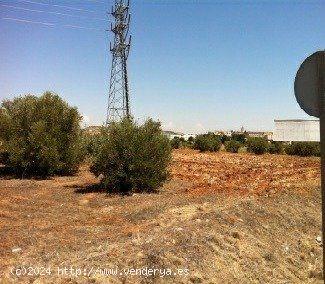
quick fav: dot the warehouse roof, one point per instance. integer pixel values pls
(294, 120)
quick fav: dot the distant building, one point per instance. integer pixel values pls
(92, 130)
(289, 130)
(267, 134)
(186, 136)
(223, 132)
(172, 134)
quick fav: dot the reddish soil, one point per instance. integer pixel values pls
(222, 218)
(244, 173)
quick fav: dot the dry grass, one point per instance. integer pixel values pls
(228, 218)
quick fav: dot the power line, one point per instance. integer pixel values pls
(22, 21)
(83, 28)
(59, 6)
(97, 1)
(28, 21)
(49, 12)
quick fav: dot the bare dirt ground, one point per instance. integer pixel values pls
(222, 218)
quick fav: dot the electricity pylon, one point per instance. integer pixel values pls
(118, 97)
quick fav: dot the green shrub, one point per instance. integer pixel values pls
(189, 143)
(232, 146)
(177, 142)
(303, 149)
(3, 157)
(224, 138)
(132, 157)
(240, 137)
(90, 143)
(242, 149)
(257, 145)
(3, 153)
(276, 147)
(41, 136)
(207, 142)
(191, 139)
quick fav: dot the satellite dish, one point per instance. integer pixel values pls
(308, 82)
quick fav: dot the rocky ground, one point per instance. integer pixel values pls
(222, 218)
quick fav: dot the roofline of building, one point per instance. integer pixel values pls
(294, 120)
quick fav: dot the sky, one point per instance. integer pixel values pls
(196, 66)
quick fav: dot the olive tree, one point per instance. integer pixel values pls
(40, 135)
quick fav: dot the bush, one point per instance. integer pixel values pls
(3, 153)
(90, 143)
(3, 157)
(132, 157)
(190, 142)
(224, 138)
(191, 139)
(207, 142)
(276, 147)
(41, 136)
(257, 145)
(177, 142)
(240, 137)
(232, 146)
(303, 149)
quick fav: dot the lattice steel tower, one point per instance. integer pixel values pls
(118, 98)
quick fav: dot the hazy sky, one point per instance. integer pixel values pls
(194, 65)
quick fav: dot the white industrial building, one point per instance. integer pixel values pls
(290, 130)
(172, 134)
